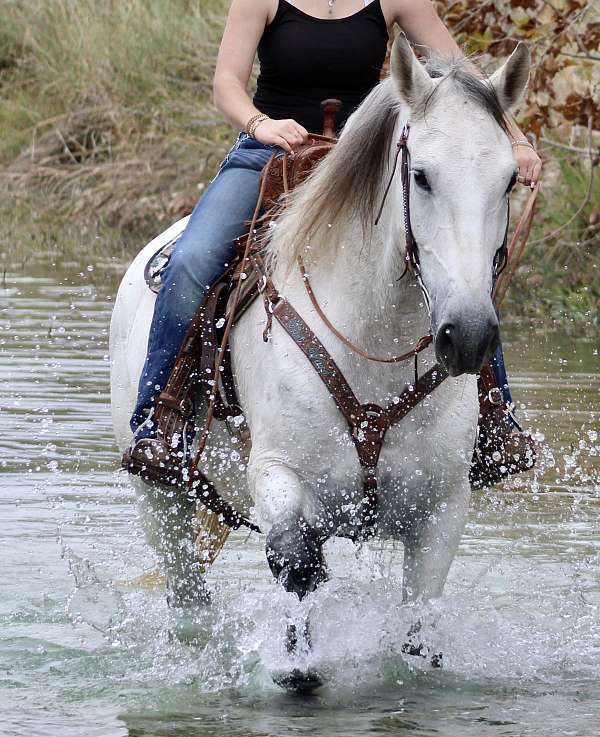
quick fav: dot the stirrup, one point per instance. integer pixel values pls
(155, 462)
(502, 456)
(501, 447)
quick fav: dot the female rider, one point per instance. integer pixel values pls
(309, 50)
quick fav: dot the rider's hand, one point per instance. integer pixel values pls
(287, 134)
(529, 163)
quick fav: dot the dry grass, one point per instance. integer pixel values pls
(105, 107)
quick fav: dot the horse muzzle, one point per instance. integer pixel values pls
(462, 346)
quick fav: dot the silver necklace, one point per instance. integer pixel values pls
(330, 3)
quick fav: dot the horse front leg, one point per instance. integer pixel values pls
(294, 544)
(295, 555)
(429, 550)
(170, 524)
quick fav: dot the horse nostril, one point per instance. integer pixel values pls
(445, 341)
(447, 332)
(462, 348)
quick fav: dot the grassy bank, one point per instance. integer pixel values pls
(105, 107)
(108, 134)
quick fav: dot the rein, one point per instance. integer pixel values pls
(516, 248)
(421, 344)
(411, 256)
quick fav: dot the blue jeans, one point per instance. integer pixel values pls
(499, 369)
(201, 255)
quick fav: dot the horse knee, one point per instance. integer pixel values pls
(295, 556)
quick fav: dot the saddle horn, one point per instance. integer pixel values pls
(330, 108)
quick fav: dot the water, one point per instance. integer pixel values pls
(87, 648)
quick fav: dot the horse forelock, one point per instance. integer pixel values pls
(347, 184)
(458, 74)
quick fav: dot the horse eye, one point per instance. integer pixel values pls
(511, 184)
(421, 180)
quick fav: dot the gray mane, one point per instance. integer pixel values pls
(348, 182)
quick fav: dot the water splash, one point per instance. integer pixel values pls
(93, 602)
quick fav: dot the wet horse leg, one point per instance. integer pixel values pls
(428, 554)
(171, 528)
(431, 545)
(294, 547)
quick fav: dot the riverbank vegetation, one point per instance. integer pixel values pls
(108, 132)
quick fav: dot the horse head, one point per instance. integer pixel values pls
(461, 172)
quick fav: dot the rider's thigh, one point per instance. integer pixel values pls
(205, 248)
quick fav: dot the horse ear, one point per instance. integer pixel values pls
(411, 80)
(510, 80)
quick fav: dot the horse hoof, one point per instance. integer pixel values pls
(416, 651)
(421, 651)
(436, 660)
(298, 681)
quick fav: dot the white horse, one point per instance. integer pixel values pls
(300, 477)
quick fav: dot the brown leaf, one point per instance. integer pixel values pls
(579, 109)
(591, 37)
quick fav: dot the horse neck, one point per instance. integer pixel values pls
(358, 282)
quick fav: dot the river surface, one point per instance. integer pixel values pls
(89, 647)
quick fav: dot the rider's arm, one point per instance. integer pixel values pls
(246, 22)
(422, 26)
(245, 25)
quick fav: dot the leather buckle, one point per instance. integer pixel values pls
(186, 407)
(495, 396)
(367, 429)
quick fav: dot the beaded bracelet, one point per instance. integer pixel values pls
(257, 122)
(254, 121)
(251, 122)
(521, 142)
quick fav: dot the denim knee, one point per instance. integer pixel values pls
(195, 264)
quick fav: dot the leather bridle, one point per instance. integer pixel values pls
(411, 256)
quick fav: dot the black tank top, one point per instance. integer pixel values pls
(304, 60)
